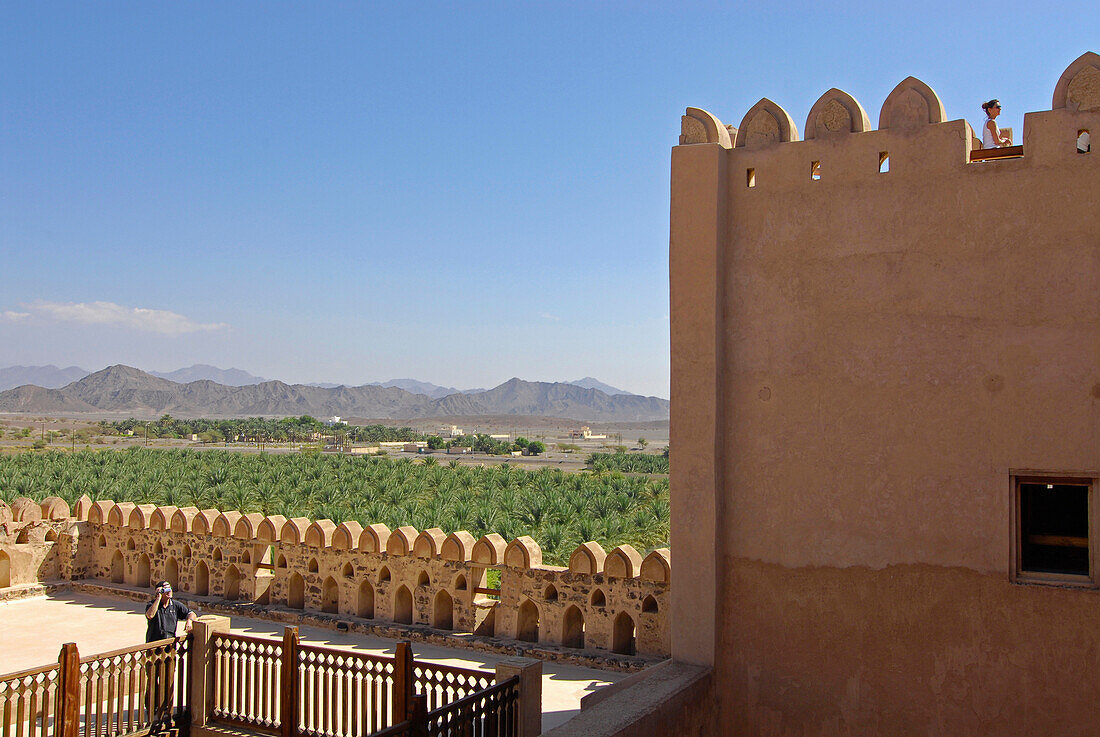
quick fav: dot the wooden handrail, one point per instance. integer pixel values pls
(991, 154)
(132, 649)
(26, 673)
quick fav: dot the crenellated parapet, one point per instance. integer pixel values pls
(610, 601)
(913, 133)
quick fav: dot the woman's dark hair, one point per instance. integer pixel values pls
(992, 103)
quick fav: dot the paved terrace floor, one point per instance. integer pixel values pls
(33, 630)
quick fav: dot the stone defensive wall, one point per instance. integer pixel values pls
(615, 602)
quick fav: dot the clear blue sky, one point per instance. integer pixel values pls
(456, 192)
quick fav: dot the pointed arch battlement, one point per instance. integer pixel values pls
(588, 558)
(1078, 89)
(401, 540)
(374, 538)
(182, 519)
(910, 106)
(319, 534)
(98, 512)
(346, 536)
(24, 509)
(765, 124)
(699, 126)
(623, 562)
(247, 526)
(119, 516)
(54, 508)
(203, 524)
(225, 524)
(142, 516)
(428, 543)
(836, 113)
(294, 530)
(657, 566)
(83, 505)
(458, 546)
(162, 518)
(489, 550)
(271, 528)
(523, 552)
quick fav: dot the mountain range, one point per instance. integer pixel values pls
(52, 377)
(124, 389)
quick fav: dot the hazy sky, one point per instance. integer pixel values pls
(454, 192)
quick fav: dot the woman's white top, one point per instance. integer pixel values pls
(989, 140)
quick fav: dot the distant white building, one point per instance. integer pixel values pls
(335, 420)
(585, 433)
(451, 432)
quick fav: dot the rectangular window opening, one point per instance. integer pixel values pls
(815, 171)
(1053, 528)
(750, 177)
(883, 162)
(1084, 144)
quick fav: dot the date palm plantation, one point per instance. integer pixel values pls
(557, 509)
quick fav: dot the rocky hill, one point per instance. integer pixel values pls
(126, 390)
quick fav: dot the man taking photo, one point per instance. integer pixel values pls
(164, 613)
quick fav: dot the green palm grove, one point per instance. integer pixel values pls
(559, 510)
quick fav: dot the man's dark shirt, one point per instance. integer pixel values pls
(163, 623)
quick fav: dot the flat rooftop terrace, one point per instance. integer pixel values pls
(33, 630)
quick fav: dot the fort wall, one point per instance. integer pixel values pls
(894, 331)
(613, 601)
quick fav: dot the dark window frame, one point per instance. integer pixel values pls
(1018, 573)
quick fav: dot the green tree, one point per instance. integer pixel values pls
(435, 442)
(535, 447)
(643, 442)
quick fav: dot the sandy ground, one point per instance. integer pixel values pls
(33, 630)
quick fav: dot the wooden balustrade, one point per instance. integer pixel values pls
(129, 691)
(28, 702)
(443, 684)
(492, 712)
(292, 690)
(247, 681)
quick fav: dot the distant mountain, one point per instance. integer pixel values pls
(201, 371)
(48, 377)
(589, 383)
(123, 389)
(419, 387)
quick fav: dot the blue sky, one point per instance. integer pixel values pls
(454, 192)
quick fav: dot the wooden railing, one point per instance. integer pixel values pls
(247, 681)
(492, 712)
(28, 702)
(343, 694)
(442, 684)
(292, 690)
(132, 691)
(136, 689)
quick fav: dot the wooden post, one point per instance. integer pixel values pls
(418, 716)
(289, 702)
(529, 707)
(68, 691)
(402, 682)
(203, 686)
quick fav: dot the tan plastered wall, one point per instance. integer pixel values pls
(891, 348)
(617, 601)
